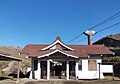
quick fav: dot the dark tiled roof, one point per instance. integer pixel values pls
(35, 50)
(79, 50)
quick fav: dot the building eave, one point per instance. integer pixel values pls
(57, 50)
(54, 43)
(8, 57)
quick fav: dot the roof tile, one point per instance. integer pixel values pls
(79, 50)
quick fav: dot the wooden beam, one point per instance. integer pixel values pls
(18, 73)
(8, 57)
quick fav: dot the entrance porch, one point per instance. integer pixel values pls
(59, 70)
(55, 66)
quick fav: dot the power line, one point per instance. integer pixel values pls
(75, 38)
(108, 27)
(103, 22)
(83, 39)
(106, 20)
(103, 29)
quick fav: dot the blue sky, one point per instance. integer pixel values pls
(40, 21)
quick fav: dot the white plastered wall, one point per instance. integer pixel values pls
(85, 73)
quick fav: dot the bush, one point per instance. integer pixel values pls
(3, 64)
(26, 63)
(115, 59)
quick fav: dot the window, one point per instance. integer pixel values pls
(80, 65)
(92, 65)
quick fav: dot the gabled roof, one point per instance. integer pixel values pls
(57, 41)
(42, 50)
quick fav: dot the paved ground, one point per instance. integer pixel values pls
(73, 82)
(31, 81)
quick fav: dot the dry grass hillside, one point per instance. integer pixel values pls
(11, 50)
(112, 41)
(11, 66)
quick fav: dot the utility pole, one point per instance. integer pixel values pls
(89, 33)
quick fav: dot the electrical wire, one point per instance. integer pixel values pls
(101, 23)
(103, 29)
(106, 20)
(108, 27)
(75, 38)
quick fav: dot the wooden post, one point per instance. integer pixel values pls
(18, 72)
(113, 71)
(99, 72)
(32, 68)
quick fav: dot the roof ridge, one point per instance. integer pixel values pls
(84, 45)
(38, 44)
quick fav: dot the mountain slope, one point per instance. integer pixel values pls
(112, 42)
(11, 66)
(12, 51)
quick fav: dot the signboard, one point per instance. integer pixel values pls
(106, 68)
